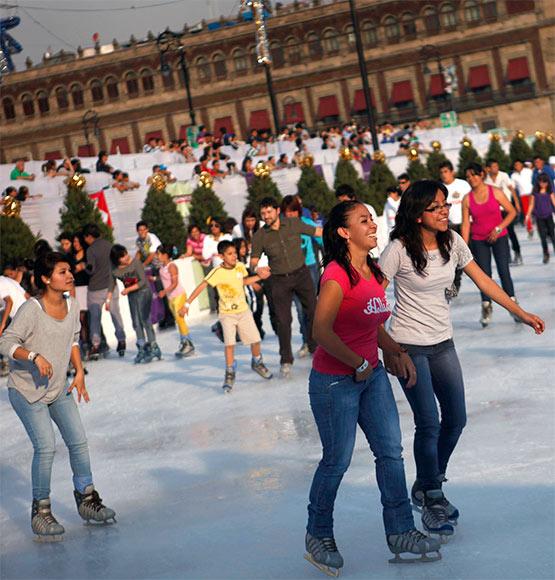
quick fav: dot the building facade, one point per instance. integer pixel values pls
(114, 97)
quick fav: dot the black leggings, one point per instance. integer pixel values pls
(482, 250)
(545, 229)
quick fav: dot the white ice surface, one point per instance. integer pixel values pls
(214, 486)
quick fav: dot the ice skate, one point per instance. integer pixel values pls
(155, 351)
(487, 310)
(303, 352)
(229, 381)
(143, 355)
(285, 370)
(545, 258)
(514, 317)
(261, 369)
(186, 348)
(413, 542)
(121, 347)
(44, 524)
(417, 497)
(434, 517)
(90, 506)
(94, 352)
(148, 355)
(323, 553)
(517, 259)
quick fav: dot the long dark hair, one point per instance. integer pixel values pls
(413, 203)
(544, 178)
(249, 212)
(336, 248)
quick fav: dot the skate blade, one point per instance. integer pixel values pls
(48, 539)
(108, 522)
(333, 572)
(227, 390)
(423, 559)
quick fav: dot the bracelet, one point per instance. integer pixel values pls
(498, 230)
(363, 366)
(31, 356)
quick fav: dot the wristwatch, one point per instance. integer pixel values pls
(498, 230)
(32, 356)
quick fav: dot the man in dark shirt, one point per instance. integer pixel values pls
(280, 240)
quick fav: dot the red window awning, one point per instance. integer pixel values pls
(153, 135)
(293, 113)
(260, 120)
(52, 155)
(183, 132)
(86, 151)
(437, 85)
(226, 122)
(402, 92)
(328, 107)
(478, 77)
(360, 102)
(517, 69)
(121, 144)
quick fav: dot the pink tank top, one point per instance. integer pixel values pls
(166, 278)
(485, 216)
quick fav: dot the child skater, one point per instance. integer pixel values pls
(542, 207)
(132, 273)
(41, 340)
(176, 296)
(229, 279)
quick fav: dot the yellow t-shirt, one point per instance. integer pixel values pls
(229, 283)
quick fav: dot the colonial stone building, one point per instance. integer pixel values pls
(502, 53)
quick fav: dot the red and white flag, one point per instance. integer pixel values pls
(100, 200)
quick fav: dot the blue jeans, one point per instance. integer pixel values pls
(95, 302)
(339, 404)
(301, 314)
(482, 250)
(37, 419)
(140, 303)
(439, 375)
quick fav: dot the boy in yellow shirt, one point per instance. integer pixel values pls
(234, 313)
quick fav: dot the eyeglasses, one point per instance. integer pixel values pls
(438, 208)
(215, 226)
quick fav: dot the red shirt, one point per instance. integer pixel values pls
(363, 309)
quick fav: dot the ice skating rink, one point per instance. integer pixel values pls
(214, 486)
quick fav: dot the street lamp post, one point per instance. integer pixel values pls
(430, 51)
(168, 41)
(90, 117)
(364, 78)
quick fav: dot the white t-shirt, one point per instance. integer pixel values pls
(523, 181)
(421, 312)
(390, 211)
(502, 181)
(210, 248)
(11, 288)
(457, 189)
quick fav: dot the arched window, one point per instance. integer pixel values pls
(220, 67)
(431, 19)
(147, 79)
(9, 108)
(369, 34)
(490, 10)
(276, 52)
(112, 88)
(240, 62)
(203, 69)
(77, 95)
(331, 41)
(28, 105)
(472, 12)
(294, 54)
(314, 46)
(349, 33)
(62, 98)
(97, 93)
(448, 16)
(392, 30)
(409, 25)
(43, 102)
(132, 84)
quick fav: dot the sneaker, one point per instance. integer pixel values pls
(186, 348)
(303, 352)
(285, 370)
(261, 369)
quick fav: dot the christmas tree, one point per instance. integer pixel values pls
(496, 153)
(417, 170)
(467, 154)
(520, 149)
(541, 148)
(16, 240)
(79, 210)
(314, 191)
(380, 179)
(260, 188)
(435, 159)
(205, 204)
(346, 174)
(163, 218)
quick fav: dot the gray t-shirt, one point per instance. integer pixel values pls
(36, 331)
(421, 312)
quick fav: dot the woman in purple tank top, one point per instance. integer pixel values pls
(542, 207)
(487, 234)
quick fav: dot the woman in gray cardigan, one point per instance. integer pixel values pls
(40, 342)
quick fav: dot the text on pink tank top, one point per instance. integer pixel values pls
(485, 216)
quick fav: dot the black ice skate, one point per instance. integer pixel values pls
(121, 347)
(413, 542)
(417, 497)
(44, 524)
(323, 553)
(186, 348)
(487, 310)
(434, 517)
(155, 351)
(90, 506)
(229, 381)
(260, 368)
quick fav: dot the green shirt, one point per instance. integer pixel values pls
(282, 246)
(16, 173)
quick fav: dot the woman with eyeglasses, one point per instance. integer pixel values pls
(487, 234)
(421, 260)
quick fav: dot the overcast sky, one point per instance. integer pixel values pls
(44, 29)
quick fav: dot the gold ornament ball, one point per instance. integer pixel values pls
(520, 134)
(11, 207)
(413, 154)
(206, 180)
(346, 154)
(540, 135)
(159, 182)
(494, 137)
(262, 170)
(307, 160)
(77, 180)
(549, 137)
(436, 145)
(466, 142)
(378, 156)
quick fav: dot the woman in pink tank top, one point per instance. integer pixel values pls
(487, 233)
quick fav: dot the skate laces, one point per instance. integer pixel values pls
(94, 501)
(47, 516)
(329, 544)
